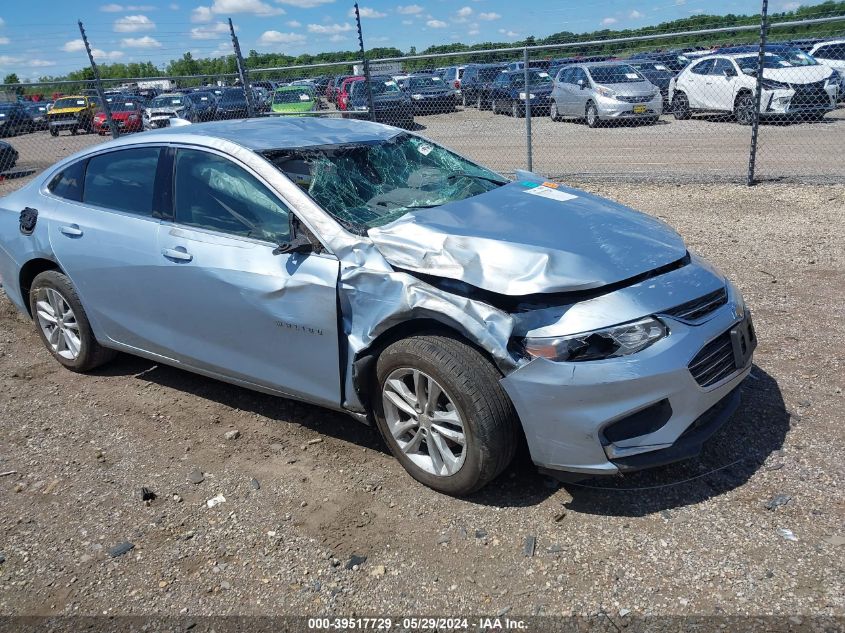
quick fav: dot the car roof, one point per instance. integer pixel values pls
(825, 42)
(268, 133)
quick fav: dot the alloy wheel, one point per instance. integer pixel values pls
(424, 421)
(745, 109)
(58, 323)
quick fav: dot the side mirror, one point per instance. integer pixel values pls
(581, 84)
(298, 243)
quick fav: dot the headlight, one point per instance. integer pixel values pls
(619, 340)
(606, 92)
(523, 96)
(771, 84)
(417, 97)
(362, 108)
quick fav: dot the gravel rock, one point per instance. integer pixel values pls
(778, 501)
(121, 549)
(355, 561)
(254, 484)
(196, 476)
(232, 435)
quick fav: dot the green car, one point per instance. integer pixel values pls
(297, 100)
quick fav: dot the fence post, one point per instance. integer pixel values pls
(761, 62)
(365, 61)
(98, 85)
(527, 86)
(242, 72)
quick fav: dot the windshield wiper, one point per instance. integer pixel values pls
(463, 174)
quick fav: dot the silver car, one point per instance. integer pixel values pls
(607, 91)
(368, 270)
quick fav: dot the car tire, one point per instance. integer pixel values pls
(493, 107)
(464, 100)
(75, 346)
(680, 107)
(54, 132)
(472, 405)
(554, 115)
(591, 115)
(744, 108)
(516, 111)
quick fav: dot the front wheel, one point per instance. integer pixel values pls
(553, 113)
(443, 413)
(54, 131)
(744, 109)
(680, 107)
(592, 115)
(516, 110)
(63, 324)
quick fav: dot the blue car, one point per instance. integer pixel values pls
(371, 271)
(509, 95)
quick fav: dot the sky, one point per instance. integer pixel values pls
(41, 37)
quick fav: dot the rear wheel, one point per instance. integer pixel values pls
(680, 106)
(744, 109)
(591, 115)
(553, 113)
(63, 324)
(516, 111)
(443, 413)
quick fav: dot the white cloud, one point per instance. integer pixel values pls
(269, 38)
(133, 24)
(8, 60)
(229, 7)
(117, 8)
(112, 8)
(366, 12)
(636, 15)
(2, 21)
(489, 16)
(101, 55)
(464, 12)
(680, 3)
(507, 33)
(40, 63)
(407, 22)
(409, 9)
(294, 24)
(787, 6)
(4, 40)
(305, 4)
(437, 24)
(337, 37)
(609, 21)
(210, 32)
(473, 31)
(73, 46)
(173, 6)
(140, 42)
(329, 29)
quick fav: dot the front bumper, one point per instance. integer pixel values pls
(66, 124)
(568, 409)
(785, 102)
(614, 109)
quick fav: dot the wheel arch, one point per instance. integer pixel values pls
(29, 271)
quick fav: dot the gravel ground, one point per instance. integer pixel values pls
(307, 491)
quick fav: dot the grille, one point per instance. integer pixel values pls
(714, 362)
(701, 307)
(62, 117)
(643, 99)
(810, 94)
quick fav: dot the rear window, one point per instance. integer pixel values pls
(68, 182)
(123, 180)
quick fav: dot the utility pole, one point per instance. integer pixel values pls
(242, 72)
(366, 62)
(98, 84)
(761, 64)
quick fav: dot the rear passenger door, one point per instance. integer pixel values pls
(695, 84)
(104, 234)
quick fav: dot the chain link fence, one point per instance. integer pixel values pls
(628, 108)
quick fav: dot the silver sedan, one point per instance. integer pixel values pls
(371, 271)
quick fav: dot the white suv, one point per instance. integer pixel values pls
(832, 53)
(726, 83)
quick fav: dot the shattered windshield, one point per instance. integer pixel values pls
(364, 185)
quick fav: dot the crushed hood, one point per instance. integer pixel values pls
(525, 238)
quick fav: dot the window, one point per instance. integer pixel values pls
(702, 68)
(213, 193)
(68, 182)
(123, 180)
(723, 68)
(579, 74)
(565, 76)
(831, 51)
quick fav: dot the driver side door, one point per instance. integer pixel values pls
(233, 307)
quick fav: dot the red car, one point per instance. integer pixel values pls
(343, 91)
(127, 113)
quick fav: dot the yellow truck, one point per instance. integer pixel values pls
(72, 113)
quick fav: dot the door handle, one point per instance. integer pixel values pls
(179, 254)
(71, 230)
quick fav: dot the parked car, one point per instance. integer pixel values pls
(657, 73)
(205, 104)
(675, 60)
(509, 95)
(832, 53)
(726, 84)
(8, 156)
(368, 270)
(15, 119)
(333, 89)
(539, 64)
(342, 94)
(73, 113)
(165, 107)
(452, 75)
(38, 113)
(295, 100)
(232, 104)
(476, 84)
(391, 105)
(430, 94)
(606, 91)
(127, 113)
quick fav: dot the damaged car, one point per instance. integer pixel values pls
(368, 270)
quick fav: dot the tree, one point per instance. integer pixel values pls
(11, 78)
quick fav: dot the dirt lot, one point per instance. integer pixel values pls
(307, 490)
